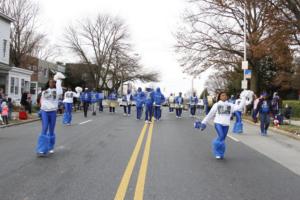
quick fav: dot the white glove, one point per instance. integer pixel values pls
(78, 89)
(58, 76)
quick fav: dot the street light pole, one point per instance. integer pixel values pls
(245, 46)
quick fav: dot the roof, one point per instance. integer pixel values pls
(5, 17)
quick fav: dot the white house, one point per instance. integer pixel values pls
(13, 80)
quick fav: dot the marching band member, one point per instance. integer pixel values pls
(238, 125)
(139, 101)
(94, 100)
(149, 105)
(68, 104)
(49, 106)
(222, 111)
(158, 99)
(171, 102)
(126, 100)
(85, 98)
(112, 97)
(264, 108)
(179, 105)
(193, 104)
(101, 97)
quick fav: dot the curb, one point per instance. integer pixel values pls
(281, 132)
(24, 122)
(20, 123)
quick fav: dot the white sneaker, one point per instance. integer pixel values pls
(218, 157)
(146, 121)
(51, 151)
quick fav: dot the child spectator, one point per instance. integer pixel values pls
(10, 107)
(4, 112)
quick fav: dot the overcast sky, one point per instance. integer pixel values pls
(151, 23)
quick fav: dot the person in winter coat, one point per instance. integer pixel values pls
(68, 105)
(222, 110)
(193, 104)
(179, 105)
(85, 98)
(49, 105)
(127, 101)
(158, 100)
(139, 101)
(264, 108)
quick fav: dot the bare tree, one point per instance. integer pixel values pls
(24, 36)
(216, 82)
(212, 37)
(290, 15)
(102, 45)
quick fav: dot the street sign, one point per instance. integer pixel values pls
(245, 65)
(245, 84)
(247, 73)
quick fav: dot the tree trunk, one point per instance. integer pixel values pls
(254, 81)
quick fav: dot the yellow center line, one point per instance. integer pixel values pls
(139, 190)
(121, 192)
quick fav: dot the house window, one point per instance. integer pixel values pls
(4, 48)
(14, 85)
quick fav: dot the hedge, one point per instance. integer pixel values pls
(295, 104)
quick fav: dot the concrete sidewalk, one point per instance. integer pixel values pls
(280, 148)
(296, 123)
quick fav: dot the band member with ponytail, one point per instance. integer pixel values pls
(179, 105)
(222, 110)
(68, 104)
(49, 106)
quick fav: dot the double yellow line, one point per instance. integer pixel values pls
(139, 190)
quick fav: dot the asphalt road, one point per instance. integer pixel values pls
(110, 156)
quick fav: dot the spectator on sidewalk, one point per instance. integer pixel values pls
(275, 103)
(4, 112)
(10, 108)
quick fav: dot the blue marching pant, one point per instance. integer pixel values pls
(148, 113)
(157, 112)
(139, 111)
(238, 125)
(193, 110)
(218, 143)
(67, 118)
(46, 140)
(178, 112)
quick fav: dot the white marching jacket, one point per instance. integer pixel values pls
(69, 95)
(222, 110)
(49, 98)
